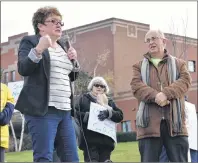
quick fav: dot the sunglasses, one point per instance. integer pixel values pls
(99, 85)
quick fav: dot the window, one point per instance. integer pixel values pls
(126, 126)
(6, 77)
(191, 66)
(131, 31)
(13, 76)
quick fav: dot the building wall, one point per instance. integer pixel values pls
(92, 44)
(128, 51)
(9, 55)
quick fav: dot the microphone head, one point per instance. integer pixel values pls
(67, 44)
(66, 41)
(66, 37)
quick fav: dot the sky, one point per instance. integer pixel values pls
(170, 17)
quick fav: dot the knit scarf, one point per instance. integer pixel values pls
(93, 97)
(142, 117)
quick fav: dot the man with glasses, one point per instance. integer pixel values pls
(160, 82)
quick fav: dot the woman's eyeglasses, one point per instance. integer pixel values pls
(56, 22)
(99, 85)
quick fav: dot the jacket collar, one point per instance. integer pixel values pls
(166, 55)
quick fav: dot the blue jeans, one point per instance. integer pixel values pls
(194, 155)
(163, 156)
(56, 124)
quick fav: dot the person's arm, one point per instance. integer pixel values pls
(80, 112)
(28, 57)
(6, 114)
(140, 90)
(178, 88)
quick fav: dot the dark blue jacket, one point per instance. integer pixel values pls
(6, 114)
(34, 96)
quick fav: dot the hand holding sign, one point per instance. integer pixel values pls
(106, 127)
(103, 115)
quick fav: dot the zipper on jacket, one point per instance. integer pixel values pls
(161, 88)
(161, 108)
(49, 79)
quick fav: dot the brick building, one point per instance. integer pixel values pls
(121, 42)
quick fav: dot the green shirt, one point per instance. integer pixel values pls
(155, 61)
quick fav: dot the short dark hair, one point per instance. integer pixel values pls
(42, 14)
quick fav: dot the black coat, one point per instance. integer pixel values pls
(34, 96)
(94, 138)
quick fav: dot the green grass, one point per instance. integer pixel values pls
(124, 152)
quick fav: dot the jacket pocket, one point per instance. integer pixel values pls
(32, 99)
(35, 94)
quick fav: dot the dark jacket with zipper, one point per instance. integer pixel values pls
(34, 96)
(94, 138)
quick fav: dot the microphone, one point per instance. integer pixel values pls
(66, 42)
(68, 45)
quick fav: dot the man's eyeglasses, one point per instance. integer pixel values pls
(56, 22)
(99, 85)
(148, 40)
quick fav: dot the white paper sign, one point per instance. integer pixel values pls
(15, 88)
(106, 127)
(191, 124)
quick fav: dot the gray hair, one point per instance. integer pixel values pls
(157, 33)
(97, 80)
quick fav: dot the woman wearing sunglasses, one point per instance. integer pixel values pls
(99, 146)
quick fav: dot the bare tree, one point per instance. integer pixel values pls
(173, 37)
(80, 85)
(110, 79)
(101, 60)
(184, 45)
(179, 43)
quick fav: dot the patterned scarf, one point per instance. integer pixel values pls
(142, 117)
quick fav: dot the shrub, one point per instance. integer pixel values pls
(27, 142)
(126, 136)
(11, 144)
(26, 145)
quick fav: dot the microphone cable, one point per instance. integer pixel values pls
(68, 45)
